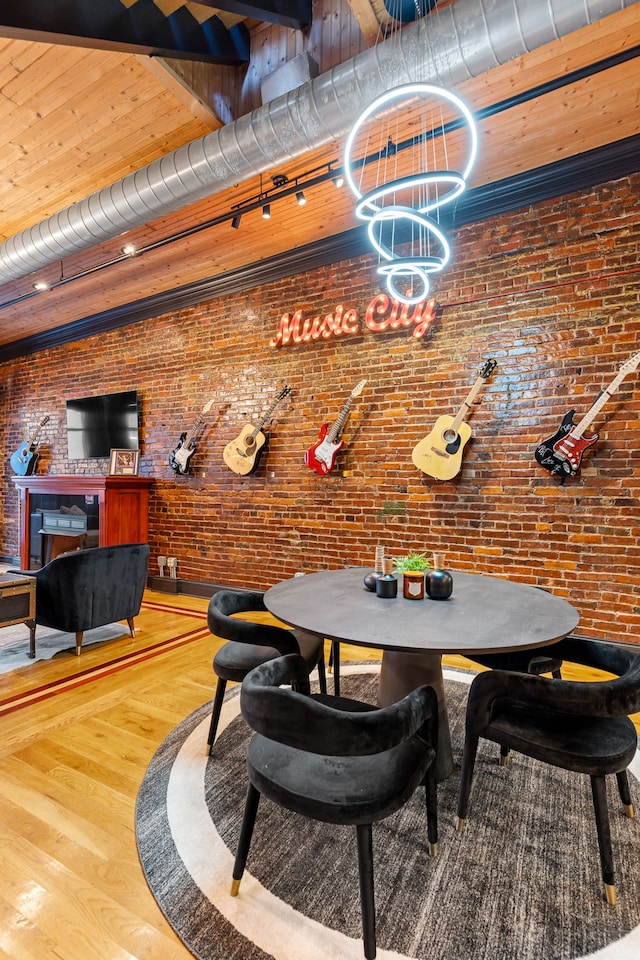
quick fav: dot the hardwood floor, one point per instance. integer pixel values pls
(77, 736)
(71, 762)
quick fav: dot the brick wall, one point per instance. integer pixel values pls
(550, 292)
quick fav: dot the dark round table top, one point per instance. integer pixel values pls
(484, 614)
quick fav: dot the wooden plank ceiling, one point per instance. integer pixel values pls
(75, 118)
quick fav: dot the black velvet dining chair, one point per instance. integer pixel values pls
(536, 661)
(522, 661)
(336, 760)
(334, 665)
(250, 644)
(581, 726)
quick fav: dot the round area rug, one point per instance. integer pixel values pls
(522, 882)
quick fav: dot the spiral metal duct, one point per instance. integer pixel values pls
(462, 41)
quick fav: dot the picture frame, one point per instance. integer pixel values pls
(124, 463)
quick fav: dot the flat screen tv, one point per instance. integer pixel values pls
(96, 425)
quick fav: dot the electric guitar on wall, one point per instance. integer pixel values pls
(180, 457)
(24, 459)
(321, 456)
(562, 453)
(242, 455)
(440, 453)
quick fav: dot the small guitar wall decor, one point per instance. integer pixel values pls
(440, 453)
(321, 456)
(179, 457)
(242, 455)
(24, 460)
(562, 453)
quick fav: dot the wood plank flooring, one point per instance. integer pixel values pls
(77, 736)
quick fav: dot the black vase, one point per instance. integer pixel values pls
(439, 584)
(387, 587)
(370, 581)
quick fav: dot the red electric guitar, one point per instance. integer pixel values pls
(562, 453)
(321, 456)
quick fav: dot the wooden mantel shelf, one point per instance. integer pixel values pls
(123, 505)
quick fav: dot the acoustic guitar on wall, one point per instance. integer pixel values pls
(242, 455)
(439, 454)
(179, 457)
(24, 460)
(562, 453)
(322, 455)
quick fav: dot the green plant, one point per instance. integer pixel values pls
(412, 561)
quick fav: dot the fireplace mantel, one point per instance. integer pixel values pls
(122, 506)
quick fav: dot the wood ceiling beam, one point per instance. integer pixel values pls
(177, 85)
(365, 17)
(296, 14)
(141, 28)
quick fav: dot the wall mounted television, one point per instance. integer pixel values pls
(96, 425)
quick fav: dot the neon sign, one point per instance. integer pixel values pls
(382, 314)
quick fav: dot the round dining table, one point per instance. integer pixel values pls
(484, 614)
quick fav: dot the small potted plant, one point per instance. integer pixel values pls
(413, 567)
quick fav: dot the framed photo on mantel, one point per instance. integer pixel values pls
(124, 463)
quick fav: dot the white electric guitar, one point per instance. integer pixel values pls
(180, 457)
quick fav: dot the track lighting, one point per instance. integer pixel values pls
(41, 285)
(129, 250)
(266, 211)
(300, 197)
(235, 223)
(339, 180)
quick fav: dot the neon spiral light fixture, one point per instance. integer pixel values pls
(400, 185)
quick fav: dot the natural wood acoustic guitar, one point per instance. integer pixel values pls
(242, 455)
(439, 454)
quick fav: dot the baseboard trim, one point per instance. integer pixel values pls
(193, 588)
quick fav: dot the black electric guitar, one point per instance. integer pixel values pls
(562, 453)
(242, 455)
(24, 460)
(180, 457)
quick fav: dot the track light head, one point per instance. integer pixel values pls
(300, 197)
(266, 211)
(339, 180)
(235, 223)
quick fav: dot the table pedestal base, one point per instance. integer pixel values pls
(400, 674)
